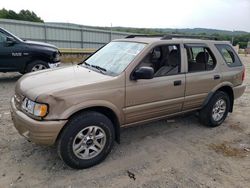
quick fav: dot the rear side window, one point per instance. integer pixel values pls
(228, 55)
(200, 58)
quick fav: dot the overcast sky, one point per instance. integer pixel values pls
(217, 14)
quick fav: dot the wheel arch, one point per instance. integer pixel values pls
(34, 59)
(225, 88)
(103, 110)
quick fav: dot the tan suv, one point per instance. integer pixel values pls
(129, 81)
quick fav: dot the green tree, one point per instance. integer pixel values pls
(24, 15)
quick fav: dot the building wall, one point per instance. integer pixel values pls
(63, 36)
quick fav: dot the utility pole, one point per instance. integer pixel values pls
(232, 41)
(110, 31)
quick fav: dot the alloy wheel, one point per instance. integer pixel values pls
(89, 142)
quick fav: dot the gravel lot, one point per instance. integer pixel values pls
(170, 153)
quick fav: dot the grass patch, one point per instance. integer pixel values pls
(71, 59)
(236, 127)
(227, 150)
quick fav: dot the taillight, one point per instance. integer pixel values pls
(244, 74)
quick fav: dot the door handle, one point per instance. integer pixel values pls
(216, 77)
(177, 82)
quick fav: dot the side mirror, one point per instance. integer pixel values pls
(10, 41)
(143, 73)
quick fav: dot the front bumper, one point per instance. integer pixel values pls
(39, 132)
(54, 65)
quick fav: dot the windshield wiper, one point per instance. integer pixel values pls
(99, 68)
(85, 63)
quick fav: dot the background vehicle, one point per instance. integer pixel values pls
(127, 82)
(21, 56)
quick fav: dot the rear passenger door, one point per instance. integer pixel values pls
(202, 74)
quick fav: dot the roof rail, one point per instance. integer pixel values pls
(134, 36)
(171, 36)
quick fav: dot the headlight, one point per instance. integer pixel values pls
(36, 109)
(56, 56)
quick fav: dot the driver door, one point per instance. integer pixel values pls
(11, 56)
(158, 97)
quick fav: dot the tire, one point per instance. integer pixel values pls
(75, 135)
(21, 72)
(212, 115)
(36, 66)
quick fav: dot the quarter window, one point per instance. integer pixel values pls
(200, 58)
(228, 55)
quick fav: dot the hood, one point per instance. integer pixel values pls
(39, 44)
(55, 80)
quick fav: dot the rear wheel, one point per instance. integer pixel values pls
(86, 140)
(36, 66)
(216, 111)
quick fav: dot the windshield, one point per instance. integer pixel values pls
(113, 58)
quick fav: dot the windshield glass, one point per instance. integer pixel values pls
(113, 58)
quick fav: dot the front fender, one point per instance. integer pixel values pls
(93, 103)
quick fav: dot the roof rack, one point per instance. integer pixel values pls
(134, 36)
(171, 36)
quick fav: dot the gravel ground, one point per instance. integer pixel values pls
(178, 152)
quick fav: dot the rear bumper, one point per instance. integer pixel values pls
(239, 90)
(39, 132)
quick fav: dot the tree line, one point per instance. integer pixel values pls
(24, 15)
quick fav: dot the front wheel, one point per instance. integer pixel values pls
(215, 112)
(37, 66)
(86, 140)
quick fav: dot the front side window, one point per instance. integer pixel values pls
(2, 38)
(165, 60)
(113, 58)
(200, 58)
(228, 55)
